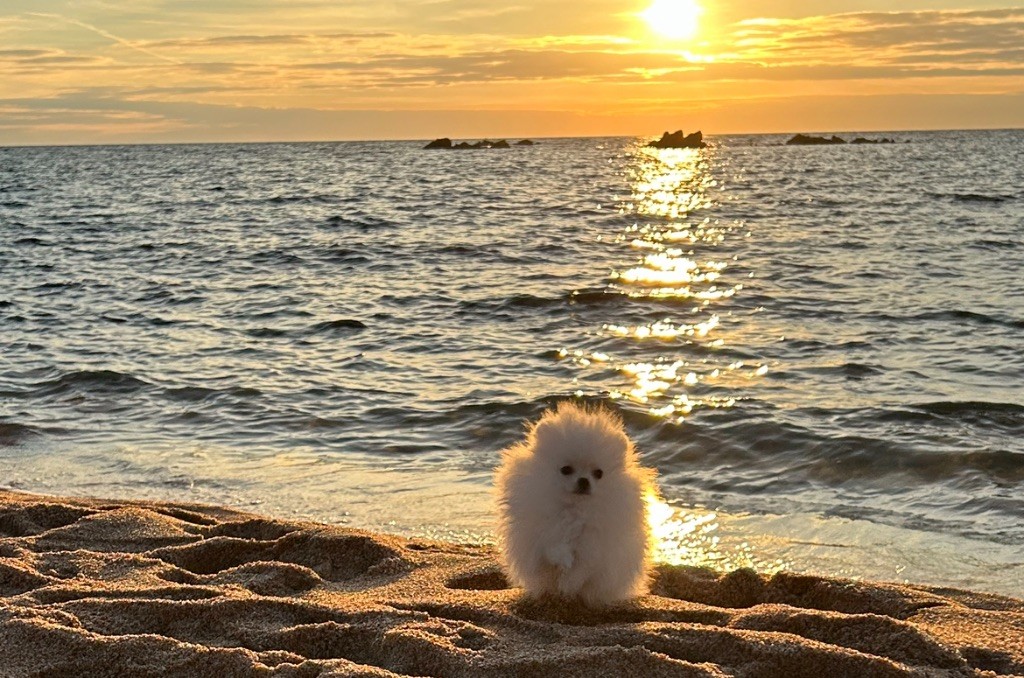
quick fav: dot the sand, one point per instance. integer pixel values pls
(121, 588)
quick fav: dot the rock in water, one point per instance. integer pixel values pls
(678, 140)
(444, 142)
(862, 140)
(808, 140)
(486, 143)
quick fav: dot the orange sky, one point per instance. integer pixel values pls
(96, 71)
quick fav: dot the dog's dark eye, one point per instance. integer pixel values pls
(566, 470)
(598, 473)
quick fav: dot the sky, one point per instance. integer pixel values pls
(137, 71)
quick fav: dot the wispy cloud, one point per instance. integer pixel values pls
(878, 36)
(270, 40)
(106, 34)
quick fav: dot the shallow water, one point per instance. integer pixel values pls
(821, 349)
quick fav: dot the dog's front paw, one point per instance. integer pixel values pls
(560, 555)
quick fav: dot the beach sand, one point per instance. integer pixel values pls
(130, 588)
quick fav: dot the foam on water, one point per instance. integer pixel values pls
(818, 348)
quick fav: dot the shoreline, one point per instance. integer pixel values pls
(109, 587)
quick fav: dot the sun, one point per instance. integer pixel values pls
(675, 19)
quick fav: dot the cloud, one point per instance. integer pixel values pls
(22, 54)
(880, 37)
(208, 65)
(982, 56)
(547, 64)
(106, 34)
(512, 64)
(102, 117)
(235, 41)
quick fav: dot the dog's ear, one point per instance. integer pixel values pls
(547, 433)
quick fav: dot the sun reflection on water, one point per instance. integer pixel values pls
(692, 537)
(676, 186)
(682, 268)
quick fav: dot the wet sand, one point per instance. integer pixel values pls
(116, 588)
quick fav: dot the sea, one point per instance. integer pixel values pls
(819, 348)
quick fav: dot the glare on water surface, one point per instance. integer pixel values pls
(679, 261)
(693, 537)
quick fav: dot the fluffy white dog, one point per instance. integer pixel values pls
(573, 513)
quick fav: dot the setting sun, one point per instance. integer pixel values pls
(675, 19)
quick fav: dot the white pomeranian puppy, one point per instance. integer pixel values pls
(573, 512)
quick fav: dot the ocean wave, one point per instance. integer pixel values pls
(463, 249)
(364, 222)
(286, 312)
(267, 332)
(847, 458)
(87, 381)
(203, 393)
(759, 433)
(59, 286)
(340, 326)
(808, 345)
(969, 316)
(276, 257)
(345, 255)
(337, 327)
(32, 240)
(505, 309)
(303, 199)
(597, 297)
(850, 370)
(1008, 415)
(531, 301)
(501, 420)
(13, 434)
(992, 244)
(954, 316)
(976, 197)
(166, 297)
(484, 255)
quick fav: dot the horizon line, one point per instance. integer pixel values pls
(268, 142)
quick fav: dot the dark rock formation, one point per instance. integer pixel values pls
(862, 140)
(486, 143)
(678, 140)
(524, 142)
(807, 140)
(440, 143)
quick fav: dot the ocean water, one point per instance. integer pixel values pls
(821, 349)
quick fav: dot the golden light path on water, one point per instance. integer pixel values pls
(679, 264)
(691, 537)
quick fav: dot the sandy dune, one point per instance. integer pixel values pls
(114, 588)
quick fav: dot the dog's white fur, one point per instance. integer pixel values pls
(557, 541)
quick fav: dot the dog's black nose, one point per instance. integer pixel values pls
(583, 486)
